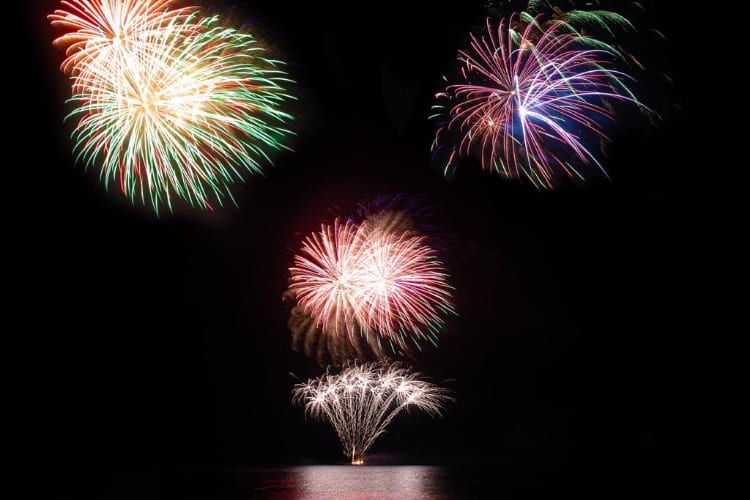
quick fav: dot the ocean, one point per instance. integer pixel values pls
(376, 482)
(360, 482)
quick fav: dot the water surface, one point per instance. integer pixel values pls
(359, 482)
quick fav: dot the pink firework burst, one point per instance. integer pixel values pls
(372, 281)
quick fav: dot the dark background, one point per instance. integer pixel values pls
(160, 346)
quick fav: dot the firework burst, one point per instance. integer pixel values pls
(362, 400)
(372, 283)
(168, 104)
(531, 101)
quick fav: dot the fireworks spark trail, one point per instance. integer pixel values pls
(328, 349)
(604, 29)
(598, 21)
(610, 30)
(362, 400)
(174, 106)
(367, 284)
(531, 102)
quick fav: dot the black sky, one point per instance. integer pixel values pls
(162, 343)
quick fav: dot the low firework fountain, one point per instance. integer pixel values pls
(362, 400)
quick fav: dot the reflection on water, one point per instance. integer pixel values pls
(348, 482)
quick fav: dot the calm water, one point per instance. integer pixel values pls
(359, 482)
(406, 482)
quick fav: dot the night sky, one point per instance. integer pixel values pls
(161, 344)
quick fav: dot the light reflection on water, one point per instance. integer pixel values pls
(353, 482)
